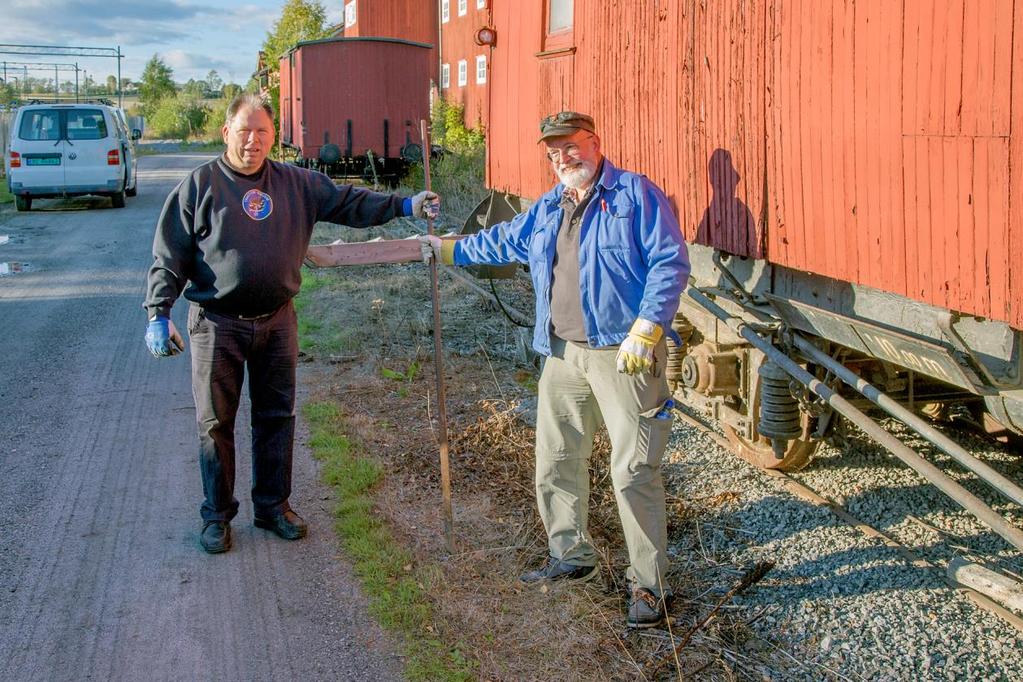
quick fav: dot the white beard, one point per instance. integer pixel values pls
(577, 178)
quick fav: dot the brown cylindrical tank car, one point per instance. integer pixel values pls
(852, 171)
(349, 106)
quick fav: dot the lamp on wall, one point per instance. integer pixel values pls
(486, 36)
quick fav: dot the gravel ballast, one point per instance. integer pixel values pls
(846, 606)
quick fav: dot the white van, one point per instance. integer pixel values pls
(63, 150)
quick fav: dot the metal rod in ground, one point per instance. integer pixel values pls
(438, 364)
(940, 440)
(964, 497)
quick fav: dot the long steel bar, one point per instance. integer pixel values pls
(438, 363)
(946, 444)
(964, 497)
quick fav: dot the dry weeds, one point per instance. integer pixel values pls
(515, 632)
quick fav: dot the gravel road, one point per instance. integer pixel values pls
(846, 606)
(101, 576)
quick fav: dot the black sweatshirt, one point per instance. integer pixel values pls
(239, 240)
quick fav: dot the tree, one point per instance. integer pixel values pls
(156, 84)
(230, 91)
(300, 20)
(194, 88)
(111, 85)
(214, 83)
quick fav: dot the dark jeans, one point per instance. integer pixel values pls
(222, 349)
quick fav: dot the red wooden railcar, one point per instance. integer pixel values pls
(852, 169)
(349, 106)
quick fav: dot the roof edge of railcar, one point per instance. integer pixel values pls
(360, 39)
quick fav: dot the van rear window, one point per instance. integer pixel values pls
(86, 124)
(40, 124)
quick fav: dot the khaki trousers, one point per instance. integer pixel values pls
(580, 388)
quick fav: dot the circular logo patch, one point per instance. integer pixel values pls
(258, 205)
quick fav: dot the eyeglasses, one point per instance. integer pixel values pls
(570, 149)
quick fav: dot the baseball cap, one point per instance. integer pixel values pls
(564, 123)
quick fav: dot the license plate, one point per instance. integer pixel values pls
(44, 161)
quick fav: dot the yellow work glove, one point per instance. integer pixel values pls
(636, 354)
(435, 248)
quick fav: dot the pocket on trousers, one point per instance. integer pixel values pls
(653, 434)
(196, 315)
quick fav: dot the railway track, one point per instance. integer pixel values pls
(915, 559)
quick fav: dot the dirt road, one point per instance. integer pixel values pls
(101, 576)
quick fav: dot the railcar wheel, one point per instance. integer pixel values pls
(758, 451)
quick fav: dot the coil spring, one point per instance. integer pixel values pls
(779, 410)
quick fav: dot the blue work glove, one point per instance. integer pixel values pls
(162, 337)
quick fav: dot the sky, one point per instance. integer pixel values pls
(191, 37)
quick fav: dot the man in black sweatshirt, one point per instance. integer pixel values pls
(232, 237)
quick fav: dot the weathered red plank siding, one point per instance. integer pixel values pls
(866, 140)
(1014, 254)
(514, 163)
(414, 20)
(329, 87)
(285, 105)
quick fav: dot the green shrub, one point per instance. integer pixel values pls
(178, 117)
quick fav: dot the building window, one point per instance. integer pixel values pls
(559, 18)
(463, 73)
(350, 14)
(481, 69)
(445, 10)
(445, 76)
(463, 7)
(481, 4)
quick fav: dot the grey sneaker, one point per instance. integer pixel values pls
(645, 609)
(558, 570)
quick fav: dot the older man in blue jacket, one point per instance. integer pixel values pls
(608, 263)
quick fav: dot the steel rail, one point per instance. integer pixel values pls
(930, 472)
(940, 440)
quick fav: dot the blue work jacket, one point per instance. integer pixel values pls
(633, 260)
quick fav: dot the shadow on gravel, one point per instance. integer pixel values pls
(835, 569)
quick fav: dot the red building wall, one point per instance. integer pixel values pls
(458, 44)
(868, 141)
(414, 20)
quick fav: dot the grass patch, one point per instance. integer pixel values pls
(5, 194)
(396, 592)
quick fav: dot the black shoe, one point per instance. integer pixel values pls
(215, 536)
(645, 609)
(556, 569)
(288, 525)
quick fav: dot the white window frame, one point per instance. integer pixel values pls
(445, 11)
(481, 69)
(463, 7)
(351, 16)
(481, 4)
(445, 76)
(463, 73)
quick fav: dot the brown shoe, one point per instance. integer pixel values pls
(215, 536)
(645, 609)
(287, 525)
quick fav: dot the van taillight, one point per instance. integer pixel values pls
(113, 157)
(15, 160)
